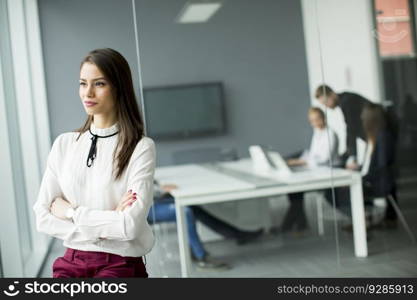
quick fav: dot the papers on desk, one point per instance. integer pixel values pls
(317, 174)
(195, 180)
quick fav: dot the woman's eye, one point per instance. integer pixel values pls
(100, 83)
(82, 83)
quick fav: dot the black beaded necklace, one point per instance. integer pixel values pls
(93, 148)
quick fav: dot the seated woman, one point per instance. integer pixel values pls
(164, 211)
(322, 152)
(377, 169)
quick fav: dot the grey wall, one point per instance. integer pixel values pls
(70, 29)
(255, 47)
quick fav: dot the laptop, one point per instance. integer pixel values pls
(272, 165)
(264, 160)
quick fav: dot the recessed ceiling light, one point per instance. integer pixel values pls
(198, 12)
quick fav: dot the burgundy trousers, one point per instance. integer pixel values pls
(90, 264)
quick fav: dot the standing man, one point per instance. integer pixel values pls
(351, 105)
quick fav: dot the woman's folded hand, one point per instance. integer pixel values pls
(128, 199)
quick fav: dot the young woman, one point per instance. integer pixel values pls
(378, 169)
(379, 150)
(98, 184)
(324, 143)
(322, 152)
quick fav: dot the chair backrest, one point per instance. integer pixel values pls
(204, 155)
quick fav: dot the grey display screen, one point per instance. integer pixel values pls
(184, 111)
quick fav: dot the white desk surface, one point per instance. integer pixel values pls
(196, 180)
(302, 176)
(203, 180)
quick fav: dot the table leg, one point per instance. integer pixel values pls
(358, 217)
(320, 221)
(182, 232)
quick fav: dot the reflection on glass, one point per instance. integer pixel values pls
(257, 51)
(273, 70)
(395, 127)
(374, 122)
(25, 236)
(394, 28)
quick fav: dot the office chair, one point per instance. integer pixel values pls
(372, 212)
(401, 217)
(160, 232)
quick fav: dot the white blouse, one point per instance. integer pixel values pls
(96, 226)
(367, 159)
(324, 146)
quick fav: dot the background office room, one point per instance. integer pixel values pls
(285, 130)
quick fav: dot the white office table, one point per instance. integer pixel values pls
(234, 181)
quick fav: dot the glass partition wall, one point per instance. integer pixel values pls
(252, 148)
(270, 58)
(224, 83)
(367, 49)
(24, 137)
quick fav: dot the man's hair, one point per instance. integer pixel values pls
(323, 90)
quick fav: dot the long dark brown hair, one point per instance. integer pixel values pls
(116, 70)
(373, 120)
